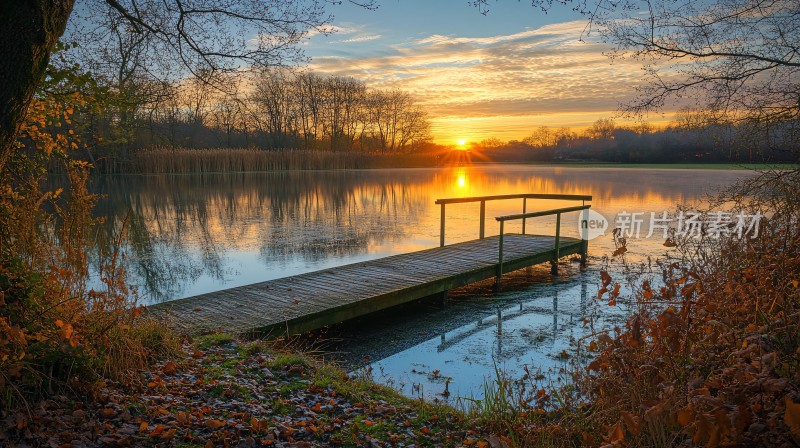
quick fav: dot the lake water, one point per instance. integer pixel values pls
(194, 234)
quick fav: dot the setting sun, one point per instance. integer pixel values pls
(462, 142)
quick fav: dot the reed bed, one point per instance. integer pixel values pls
(184, 160)
(223, 160)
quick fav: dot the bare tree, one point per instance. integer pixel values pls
(602, 129)
(272, 104)
(542, 137)
(201, 34)
(737, 59)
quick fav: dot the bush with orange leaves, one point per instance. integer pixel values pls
(711, 357)
(55, 332)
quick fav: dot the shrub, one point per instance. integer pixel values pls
(711, 357)
(55, 332)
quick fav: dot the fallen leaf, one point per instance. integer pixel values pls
(215, 424)
(169, 368)
(616, 434)
(792, 416)
(631, 421)
(157, 431)
(685, 416)
(168, 434)
(605, 277)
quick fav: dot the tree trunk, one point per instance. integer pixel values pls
(30, 30)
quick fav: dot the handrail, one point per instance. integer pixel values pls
(483, 199)
(542, 213)
(565, 197)
(557, 249)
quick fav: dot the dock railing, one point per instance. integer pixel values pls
(502, 220)
(484, 199)
(521, 216)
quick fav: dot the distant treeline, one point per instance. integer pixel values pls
(689, 139)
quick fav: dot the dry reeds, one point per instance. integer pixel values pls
(164, 160)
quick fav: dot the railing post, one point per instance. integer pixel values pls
(483, 218)
(524, 210)
(584, 236)
(554, 268)
(584, 253)
(499, 259)
(441, 228)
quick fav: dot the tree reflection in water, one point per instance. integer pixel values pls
(183, 227)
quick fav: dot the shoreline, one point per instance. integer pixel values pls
(575, 165)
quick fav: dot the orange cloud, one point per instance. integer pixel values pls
(500, 86)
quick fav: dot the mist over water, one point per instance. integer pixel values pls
(194, 234)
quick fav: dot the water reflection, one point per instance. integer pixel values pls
(195, 234)
(191, 234)
(460, 345)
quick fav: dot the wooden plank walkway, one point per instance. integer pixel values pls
(309, 301)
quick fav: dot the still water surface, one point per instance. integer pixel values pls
(194, 234)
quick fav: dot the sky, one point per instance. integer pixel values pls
(500, 75)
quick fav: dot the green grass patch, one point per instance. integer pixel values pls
(280, 407)
(255, 348)
(231, 364)
(355, 389)
(285, 360)
(213, 340)
(230, 391)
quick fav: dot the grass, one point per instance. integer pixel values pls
(213, 340)
(300, 371)
(287, 360)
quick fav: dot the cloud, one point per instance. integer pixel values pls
(331, 29)
(544, 72)
(360, 38)
(355, 33)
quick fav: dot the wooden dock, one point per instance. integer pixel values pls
(310, 301)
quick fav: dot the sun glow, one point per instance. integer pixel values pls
(461, 142)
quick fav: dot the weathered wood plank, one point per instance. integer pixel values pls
(316, 299)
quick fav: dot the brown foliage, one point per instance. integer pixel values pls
(711, 357)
